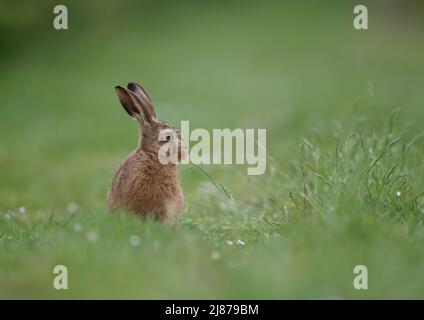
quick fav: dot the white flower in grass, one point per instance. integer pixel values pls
(72, 207)
(135, 240)
(92, 236)
(215, 255)
(241, 242)
(398, 193)
(77, 227)
(7, 216)
(230, 243)
(22, 210)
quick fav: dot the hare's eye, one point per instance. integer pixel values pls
(168, 137)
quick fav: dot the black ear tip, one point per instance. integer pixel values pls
(132, 86)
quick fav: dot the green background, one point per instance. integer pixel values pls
(343, 111)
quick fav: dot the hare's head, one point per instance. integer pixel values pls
(157, 136)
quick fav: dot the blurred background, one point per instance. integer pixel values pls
(297, 68)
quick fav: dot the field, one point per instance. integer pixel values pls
(344, 184)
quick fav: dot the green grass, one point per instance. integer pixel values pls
(344, 182)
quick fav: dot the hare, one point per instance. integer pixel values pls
(147, 181)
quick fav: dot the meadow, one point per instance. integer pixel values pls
(344, 183)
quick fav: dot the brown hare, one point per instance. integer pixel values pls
(147, 181)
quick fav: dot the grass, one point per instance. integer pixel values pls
(344, 182)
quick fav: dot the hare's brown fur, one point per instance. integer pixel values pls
(142, 184)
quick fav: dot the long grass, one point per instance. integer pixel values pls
(344, 183)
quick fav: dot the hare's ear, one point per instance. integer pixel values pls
(138, 90)
(132, 105)
(142, 94)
